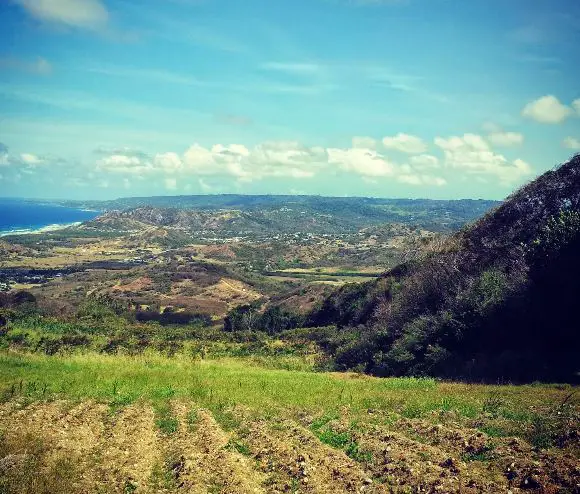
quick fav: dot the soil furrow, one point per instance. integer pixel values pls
(71, 433)
(130, 452)
(296, 461)
(203, 459)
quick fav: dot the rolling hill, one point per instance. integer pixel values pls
(498, 300)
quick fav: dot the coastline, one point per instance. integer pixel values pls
(37, 230)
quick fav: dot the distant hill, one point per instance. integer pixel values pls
(239, 214)
(498, 300)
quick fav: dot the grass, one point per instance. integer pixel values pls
(220, 384)
(339, 440)
(239, 446)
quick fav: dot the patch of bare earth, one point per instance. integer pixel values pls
(233, 292)
(296, 461)
(70, 431)
(130, 450)
(202, 460)
(137, 285)
(512, 459)
(400, 462)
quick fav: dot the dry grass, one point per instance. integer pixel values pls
(232, 426)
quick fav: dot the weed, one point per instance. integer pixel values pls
(239, 446)
(339, 440)
(129, 487)
(320, 422)
(493, 404)
(192, 419)
(167, 425)
(161, 478)
(494, 430)
(483, 454)
(225, 417)
(164, 420)
(413, 411)
(354, 451)
(30, 465)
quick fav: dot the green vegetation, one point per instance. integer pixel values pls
(219, 384)
(495, 302)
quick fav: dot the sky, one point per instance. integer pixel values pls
(384, 98)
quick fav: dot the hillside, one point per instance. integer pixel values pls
(237, 214)
(498, 300)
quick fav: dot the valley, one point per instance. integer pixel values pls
(177, 347)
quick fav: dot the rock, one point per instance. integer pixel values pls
(451, 464)
(531, 482)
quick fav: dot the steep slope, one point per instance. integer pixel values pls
(497, 301)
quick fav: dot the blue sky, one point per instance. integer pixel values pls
(387, 98)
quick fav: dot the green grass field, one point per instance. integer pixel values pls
(363, 420)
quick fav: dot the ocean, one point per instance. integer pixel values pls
(20, 216)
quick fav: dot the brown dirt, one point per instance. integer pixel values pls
(130, 450)
(296, 461)
(137, 285)
(203, 462)
(230, 291)
(221, 252)
(404, 462)
(511, 459)
(124, 452)
(73, 431)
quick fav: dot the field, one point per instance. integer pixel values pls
(88, 422)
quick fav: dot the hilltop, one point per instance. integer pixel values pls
(241, 213)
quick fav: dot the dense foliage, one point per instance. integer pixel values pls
(272, 321)
(498, 302)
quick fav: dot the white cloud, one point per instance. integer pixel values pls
(361, 161)
(171, 183)
(571, 143)
(473, 155)
(424, 161)
(124, 164)
(75, 182)
(154, 75)
(275, 159)
(31, 159)
(576, 105)
(364, 142)
(421, 180)
(405, 143)
(270, 159)
(169, 162)
(77, 13)
(547, 109)
(506, 139)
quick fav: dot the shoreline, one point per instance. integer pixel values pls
(38, 230)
